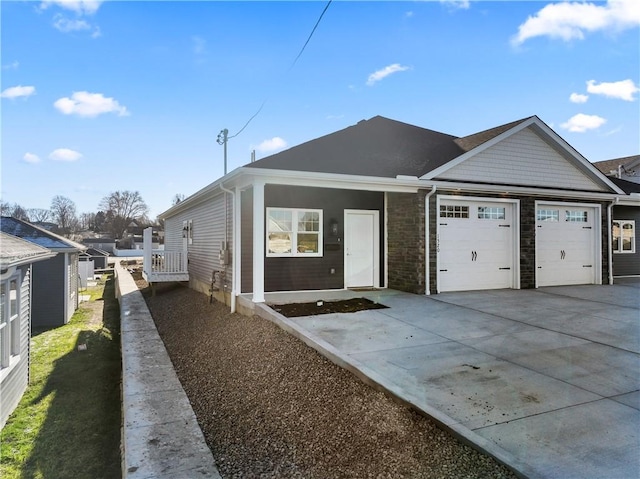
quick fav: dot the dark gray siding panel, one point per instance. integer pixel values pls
(295, 274)
(627, 264)
(246, 240)
(15, 382)
(48, 296)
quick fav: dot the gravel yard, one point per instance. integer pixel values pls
(270, 406)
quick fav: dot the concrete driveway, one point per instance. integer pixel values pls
(547, 380)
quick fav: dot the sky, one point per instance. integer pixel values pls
(100, 96)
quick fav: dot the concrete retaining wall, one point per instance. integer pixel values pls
(161, 438)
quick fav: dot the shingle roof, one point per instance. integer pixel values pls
(14, 250)
(376, 147)
(626, 186)
(468, 143)
(39, 236)
(630, 163)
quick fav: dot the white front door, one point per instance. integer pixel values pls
(566, 244)
(476, 244)
(361, 248)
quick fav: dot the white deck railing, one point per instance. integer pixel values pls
(163, 265)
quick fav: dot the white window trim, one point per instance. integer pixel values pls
(294, 233)
(633, 241)
(11, 356)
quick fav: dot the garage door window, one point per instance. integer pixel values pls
(454, 211)
(576, 216)
(624, 236)
(490, 213)
(548, 215)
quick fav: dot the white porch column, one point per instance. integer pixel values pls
(258, 242)
(236, 257)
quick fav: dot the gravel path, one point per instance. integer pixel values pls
(270, 406)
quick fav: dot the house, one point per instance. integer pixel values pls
(385, 204)
(627, 168)
(16, 259)
(100, 258)
(56, 283)
(625, 243)
(104, 244)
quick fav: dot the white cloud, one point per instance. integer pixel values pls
(87, 104)
(31, 158)
(580, 123)
(66, 25)
(65, 154)
(18, 91)
(199, 45)
(11, 66)
(408, 14)
(578, 98)
(385, 72)
(81, 7)
(275, 143)
(623, 90)
(570, 20)
(457, 4)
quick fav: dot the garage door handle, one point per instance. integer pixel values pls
(504, 226)
(586, 227)
(587, 266)
(503, 268)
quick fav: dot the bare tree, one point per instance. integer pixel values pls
(64, 214)
(178, 197)
(15, 210)
(39, 215)
(124, 206)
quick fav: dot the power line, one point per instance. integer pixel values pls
(290, 68)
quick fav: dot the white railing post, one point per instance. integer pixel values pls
(146, 254)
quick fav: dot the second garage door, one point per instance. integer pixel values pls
(567, 244)
(476, 244)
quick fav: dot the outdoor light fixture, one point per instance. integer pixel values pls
(333, 227)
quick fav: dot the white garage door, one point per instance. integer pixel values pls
(476, 241)
(566, 244)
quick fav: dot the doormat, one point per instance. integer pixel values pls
(293, 310)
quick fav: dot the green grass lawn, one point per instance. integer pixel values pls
(68, 422)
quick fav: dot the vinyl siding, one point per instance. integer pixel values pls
(208, 232)
(627, 264)
(16, 381)
(74, 282)
(48, 295)
(522, 159)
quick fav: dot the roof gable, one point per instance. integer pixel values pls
(39, 236)
(523, 153)
(375, 147)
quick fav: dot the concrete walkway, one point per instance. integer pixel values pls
(161, 438)
(547, 380)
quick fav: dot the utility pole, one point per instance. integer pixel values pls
(223, 136)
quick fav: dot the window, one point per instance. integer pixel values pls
(294, 232)
(576, 216)
(493, 213)
(548, 215)
(624, 236)
(9, 322)
(454, 211)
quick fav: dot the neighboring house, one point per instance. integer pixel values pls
(627, 168)
(56, 284)
(16, 259)
(385, 204)
(100, 258)
(104, 244)
(624, 237)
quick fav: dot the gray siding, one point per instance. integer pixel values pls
(522, 159)
(627, 264)
(208, 233)
(49, 278)
(74, 285)
(15, 383)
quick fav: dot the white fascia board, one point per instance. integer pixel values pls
(466, 188)
(28, 260)
(487, 144)
(334, 180)
(629, 200)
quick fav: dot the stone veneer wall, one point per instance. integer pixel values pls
(405, 239)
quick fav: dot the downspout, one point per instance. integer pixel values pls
(609, 243)
(233, 242)
(427, 261)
